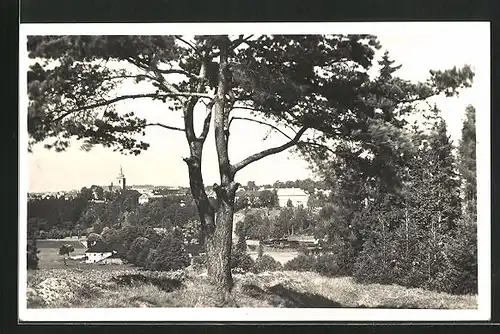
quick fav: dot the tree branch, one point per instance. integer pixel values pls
(178, 71)
(158, 73)
(257, 110)
(189, 44)
(260, 122)
(165, 126)
(239, 41)
(265, 153)
(206, 122)
(316, 144)
(129, 97)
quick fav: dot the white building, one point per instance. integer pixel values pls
(145, 198)
(98, 252)
(296, 195)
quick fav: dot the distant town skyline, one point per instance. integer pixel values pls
(418, 50)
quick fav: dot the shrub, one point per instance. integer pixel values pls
(326, 264)
(32, 255)
(266, 263)
(55, 233)
(169, 255)
(239, 257)
(241, 260)
(300, 263)
(66, 249)
(138, 252)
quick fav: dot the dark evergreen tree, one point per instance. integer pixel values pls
(467, 163)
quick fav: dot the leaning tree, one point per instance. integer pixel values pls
(315, 90)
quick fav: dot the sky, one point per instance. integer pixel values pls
(418, 47)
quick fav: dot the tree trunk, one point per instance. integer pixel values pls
(219, 241)
(218, 246)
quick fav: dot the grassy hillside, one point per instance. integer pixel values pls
(94, 288)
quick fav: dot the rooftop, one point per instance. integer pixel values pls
(99, 247)
(291, 192)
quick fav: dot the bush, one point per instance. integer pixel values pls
(266, 263)
(66, 249)
(139, 251)
(169, 255)
(326, 264)
(32, 256)
(300, 263)
(55, 233)
(242, 261)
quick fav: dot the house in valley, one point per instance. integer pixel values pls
(98, 252)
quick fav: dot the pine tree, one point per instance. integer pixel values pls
(467, 163)
(433, 204)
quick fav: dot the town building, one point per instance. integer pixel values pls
(122, 180)
(296, 195)
(145, 198)
(97, 252)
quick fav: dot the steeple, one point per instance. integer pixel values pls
(121, 179)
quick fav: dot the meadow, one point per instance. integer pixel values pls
(96, 287)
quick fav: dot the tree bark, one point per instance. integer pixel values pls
(219, 244)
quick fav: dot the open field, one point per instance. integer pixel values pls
(92, 288)
(57, 243)
(278, 255)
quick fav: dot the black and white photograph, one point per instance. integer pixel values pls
(255, 172)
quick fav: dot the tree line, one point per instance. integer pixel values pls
(60, 218)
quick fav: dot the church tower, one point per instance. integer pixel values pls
(121, 179)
